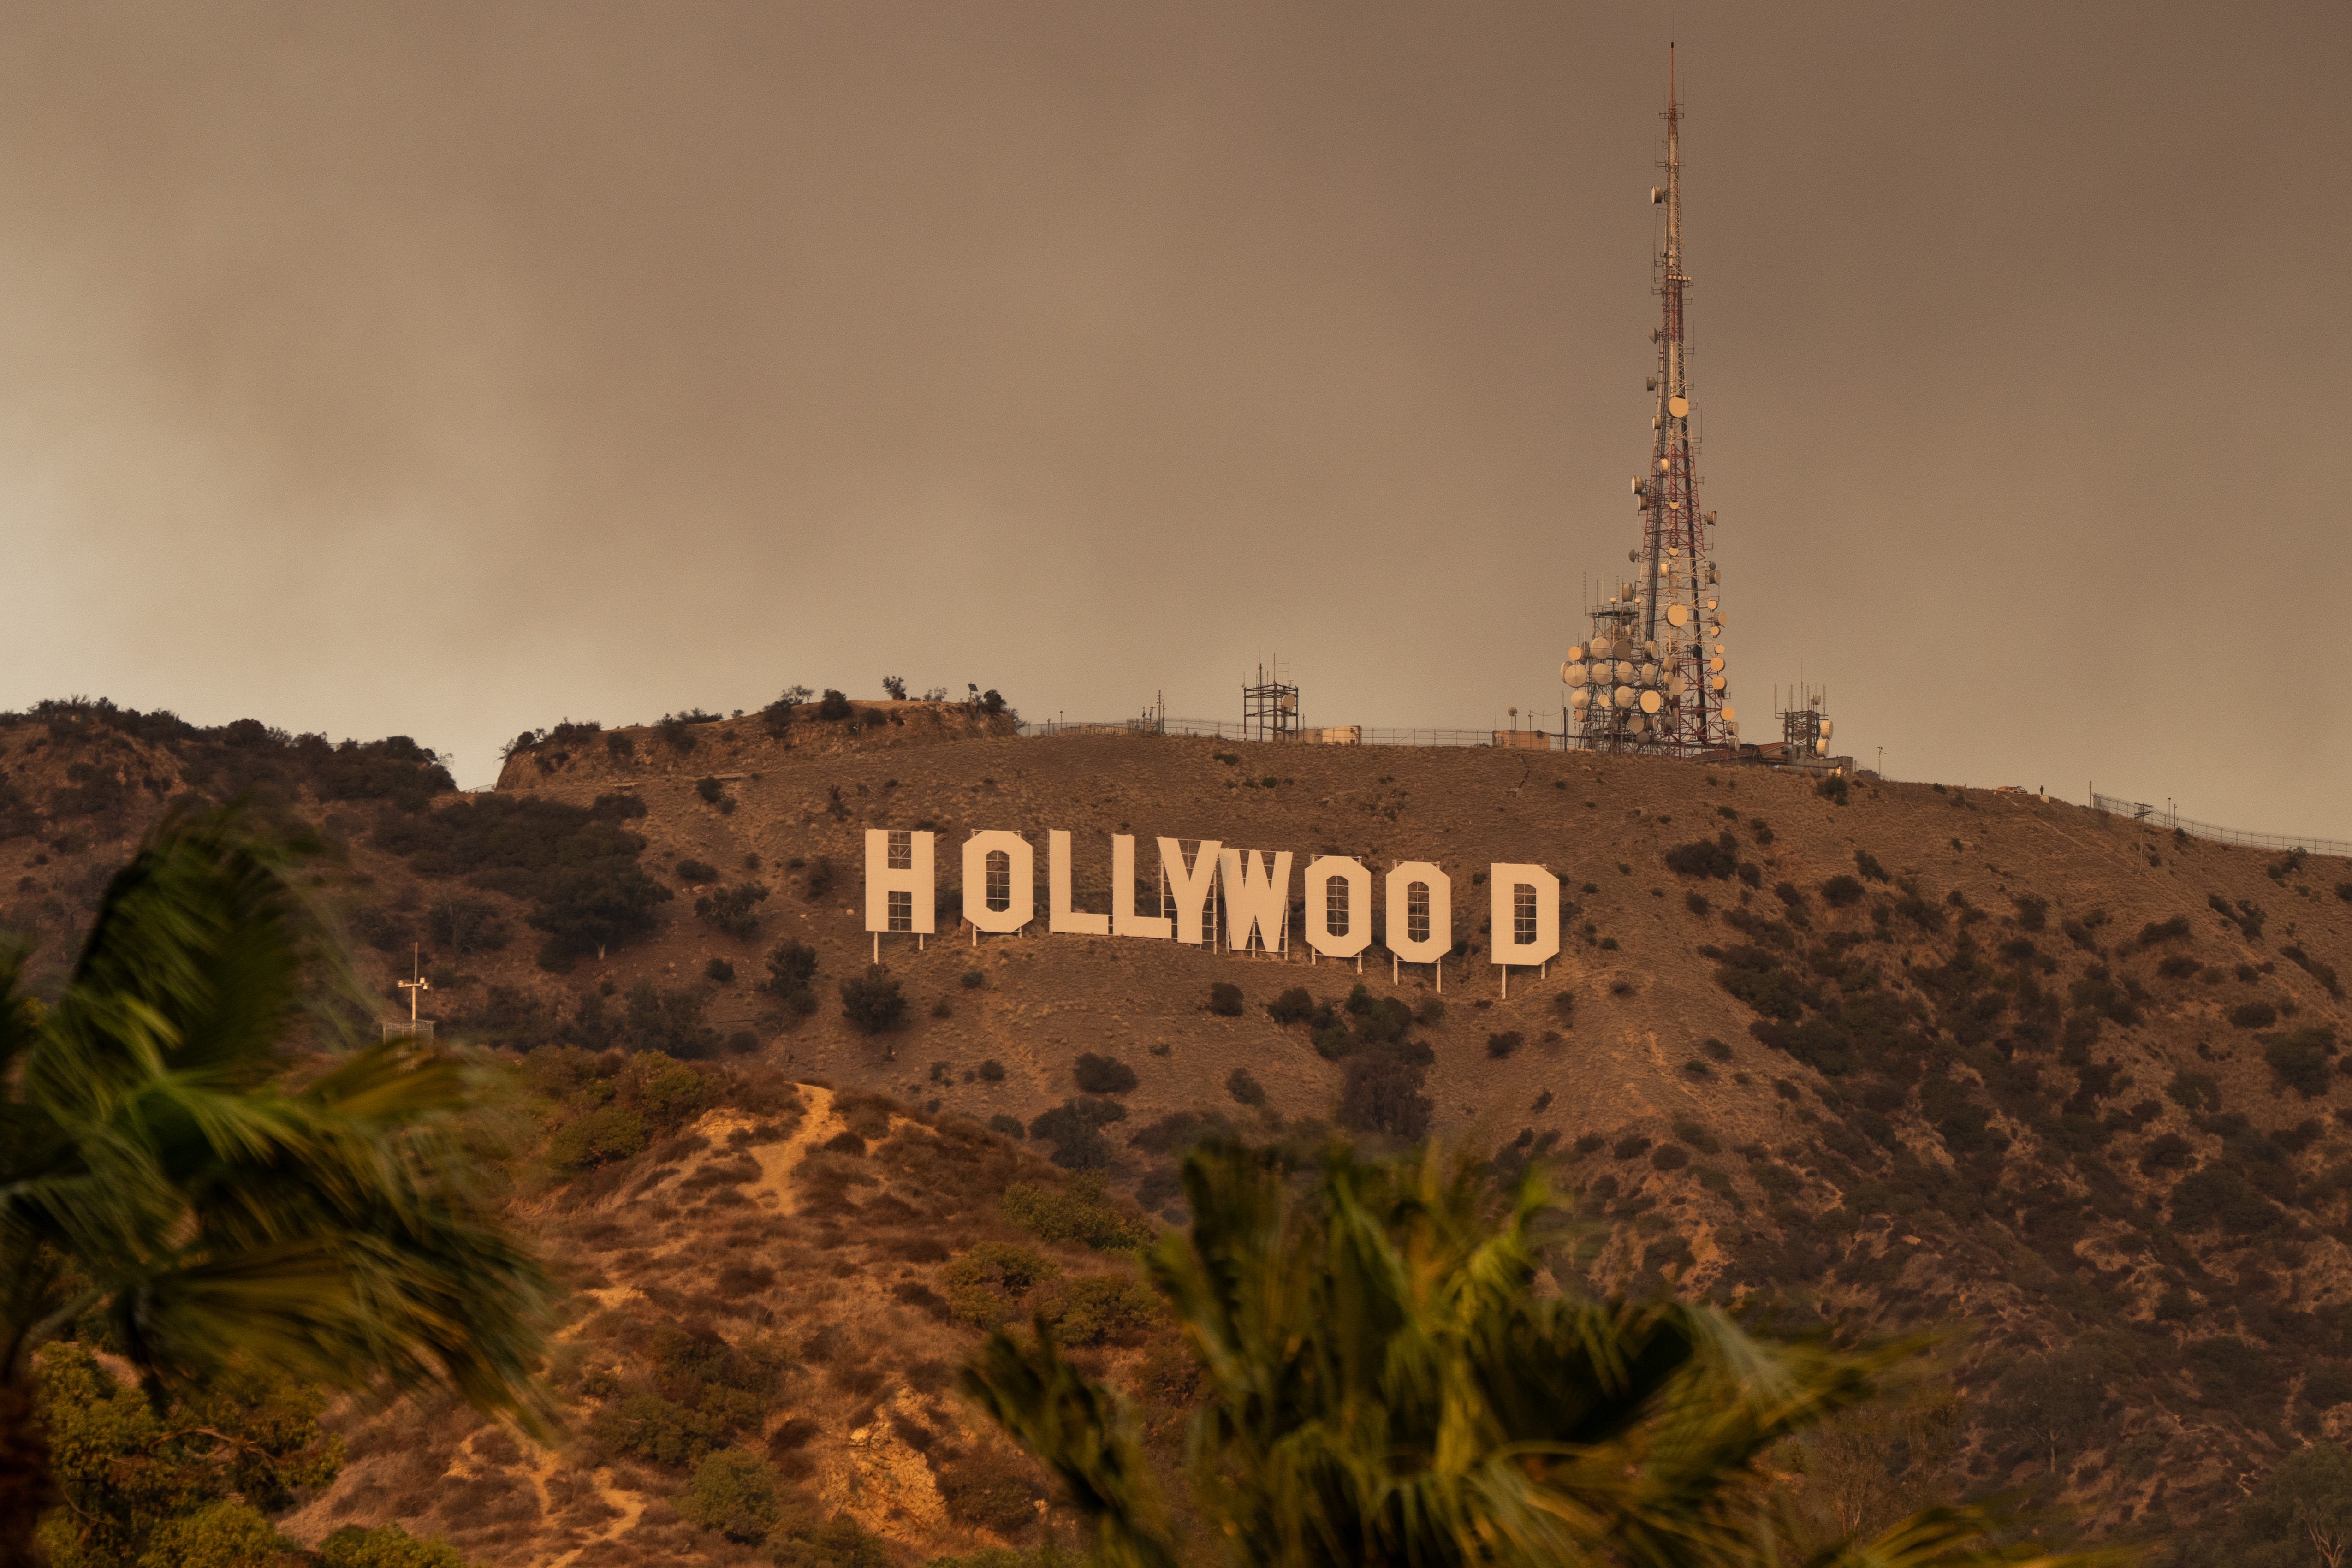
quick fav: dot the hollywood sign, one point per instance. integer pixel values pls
(1000, 897)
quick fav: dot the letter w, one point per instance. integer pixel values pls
(1255, 898)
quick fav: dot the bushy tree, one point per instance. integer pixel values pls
(593, 909)
(732, 912)
(833, 705)
(1103, 1075)
(2301, 1514)
(873, 1002)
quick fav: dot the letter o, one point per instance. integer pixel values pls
(1021, 862)
(1440, 941)
(1322, 872)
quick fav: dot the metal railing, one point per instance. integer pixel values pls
(1221, 730)
(2140, 811)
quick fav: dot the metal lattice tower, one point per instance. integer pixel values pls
(1665, 627)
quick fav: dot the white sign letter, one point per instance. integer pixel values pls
(1124, 920)
(1536, 945)
(1191, 888)
(914, 880)
(1059, 916)
(1355, 926)
(1431, 913)
(999, 895)
(1257, 898)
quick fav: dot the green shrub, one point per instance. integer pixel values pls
(2155, 931)
(1670, 1157)
(1225, 999)
(973, 980)
(992, 1071)
(1103, 1075)
(1078, 1211)
(1833, 788)
(1867, 864)
(1074, 1128)
(832, 706)
(1010, 1126)
(989, 1281)
(1292, 1006)
(732, 912)
(696, 871)
(596, 1138)
(386, 1546)
(873, 1003)
(1714, 857)
(2194, 1091)
(734, 1493)
(1841, 890)
(2322, 972)
(2301, 1061)
(1503, 1045)
(792, 968)
(1244, 1087)
(719, 972)
(2218, 1196)
(2253, 1015)
(1095, 1309)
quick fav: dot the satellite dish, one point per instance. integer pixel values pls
(1730, 714)
(1677, 685)
(1652, 702)
(1678, 406)
(1661, 569)
(1714, 682)
(1576, 652)
(1678, 615)
(1828, 728)
(1821, 748)
(1651, 647)
(1712, 603)
(1574, 674)
(1664, 463)
(1578, 698)
(1715, 630)
(1716, 664)
(1719, 616)
(1649, 675)
(1637, 487)
(1624, 697)
(1633, 555)
(1289, 702)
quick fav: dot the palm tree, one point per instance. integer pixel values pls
(165, 1166)
(1386, 1386)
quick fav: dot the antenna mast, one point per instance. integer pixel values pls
(1678, 580)
(1657, 680)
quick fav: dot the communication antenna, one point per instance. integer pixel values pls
(1666, 691)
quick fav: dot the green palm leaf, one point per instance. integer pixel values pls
(155, 1163)
(1388, 1386)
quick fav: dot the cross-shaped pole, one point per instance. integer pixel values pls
(417, 982)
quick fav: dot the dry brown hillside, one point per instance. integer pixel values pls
(1929, 1056)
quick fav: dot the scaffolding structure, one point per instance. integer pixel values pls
(1270, 708)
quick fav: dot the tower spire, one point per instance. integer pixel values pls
(1663, 684)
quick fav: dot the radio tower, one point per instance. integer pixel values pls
(1657, 680)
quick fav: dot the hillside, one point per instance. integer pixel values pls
(1922, 1055)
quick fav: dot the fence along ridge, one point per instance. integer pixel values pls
(1225, 729)
(2140, 811)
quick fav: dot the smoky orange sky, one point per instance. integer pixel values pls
(449, 369)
